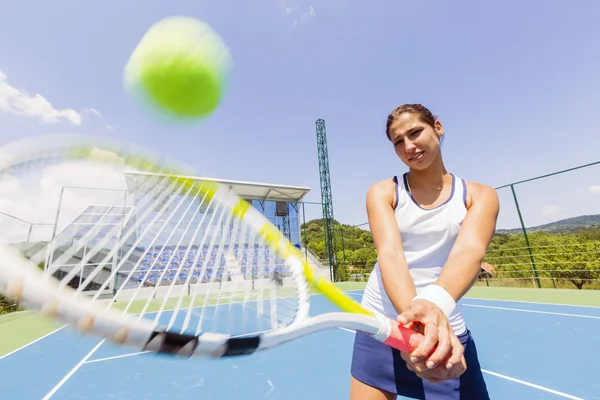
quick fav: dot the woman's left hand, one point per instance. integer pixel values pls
(439, 373)
(440, 355)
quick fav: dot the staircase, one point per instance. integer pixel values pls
(314, 261)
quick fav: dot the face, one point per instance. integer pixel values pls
(416, 143)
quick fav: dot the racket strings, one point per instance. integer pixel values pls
(96, 250)
(171, 236)
(61, 255)
(99, 248)
(222, 289)
(173, 255)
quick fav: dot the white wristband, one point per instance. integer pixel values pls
(438, 296)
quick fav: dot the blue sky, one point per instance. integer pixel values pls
(516, 85)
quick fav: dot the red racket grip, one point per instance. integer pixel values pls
(402, 338)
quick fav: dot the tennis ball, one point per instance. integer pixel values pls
(180, 67)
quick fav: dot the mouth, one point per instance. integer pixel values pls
(417, 156)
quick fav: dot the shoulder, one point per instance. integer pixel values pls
(384, 190)
(481, 194)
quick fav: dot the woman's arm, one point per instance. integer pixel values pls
(395, 275)
(464, 262)
(435, 303)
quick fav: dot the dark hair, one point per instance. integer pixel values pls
(418, 109)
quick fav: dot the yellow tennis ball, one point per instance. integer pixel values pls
(180, 67)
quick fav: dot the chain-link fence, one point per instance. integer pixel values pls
(548, 232)
(548, 235)
(23, 234)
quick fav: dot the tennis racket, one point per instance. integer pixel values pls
(159, 259)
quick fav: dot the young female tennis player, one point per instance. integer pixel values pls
(431, 230)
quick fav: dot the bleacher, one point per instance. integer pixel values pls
(189, 261)
(207, 265)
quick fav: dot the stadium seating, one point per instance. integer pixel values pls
(207, 265)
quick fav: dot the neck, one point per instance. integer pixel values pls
(431, 177)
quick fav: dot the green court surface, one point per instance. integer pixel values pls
(572, 297)
(22, 328)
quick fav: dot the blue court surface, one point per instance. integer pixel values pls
(528, 351)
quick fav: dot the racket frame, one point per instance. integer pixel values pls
(25, 283)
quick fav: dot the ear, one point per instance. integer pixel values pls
(439, 129)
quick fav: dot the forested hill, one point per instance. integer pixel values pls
(573, 224)
(565, 251)
(360, 238)
(358, 243)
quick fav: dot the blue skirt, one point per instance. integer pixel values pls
(378, 365)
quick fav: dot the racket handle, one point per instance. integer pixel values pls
(402, 338)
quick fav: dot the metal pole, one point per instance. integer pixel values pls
(535, 273)
(343, 252)
(304, 230)
(550, 174)
(50, 248)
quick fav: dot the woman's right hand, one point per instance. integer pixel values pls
(439, 373)
(439, 356)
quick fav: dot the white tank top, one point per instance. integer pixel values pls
(427, 238)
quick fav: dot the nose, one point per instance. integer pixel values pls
(408, 145)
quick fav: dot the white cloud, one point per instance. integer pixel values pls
(92, 111)
(550, 210)
(19, 102)
(34, 197)
(97, 113)
(300, 19)
(594, 189)
(307, 14)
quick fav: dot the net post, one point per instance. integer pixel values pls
(552, 278)
(531, 258)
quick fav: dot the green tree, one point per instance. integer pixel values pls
(570, 257)
(6, 305)
(354, 246)
(566, 256)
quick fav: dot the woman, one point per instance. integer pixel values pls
(431, 230)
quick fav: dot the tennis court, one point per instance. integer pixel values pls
(529, 350)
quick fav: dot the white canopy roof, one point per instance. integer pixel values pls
(255, 190)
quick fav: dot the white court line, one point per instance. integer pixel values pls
(32, 342)
(144, 352)
(533, 385)
(45, 336)
(533, 311)
(115, 357)
(12, 314)
(72, 371)
(351, 292)
(522, 382)
(531, 302)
